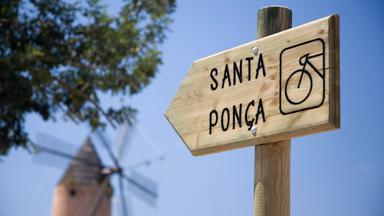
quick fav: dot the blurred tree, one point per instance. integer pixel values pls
(58, 56)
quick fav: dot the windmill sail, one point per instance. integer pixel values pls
(52, 151)
(84, 173)
(143, 187)
(122, 143)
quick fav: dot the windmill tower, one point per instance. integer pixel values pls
(81, 184)
(86, 186)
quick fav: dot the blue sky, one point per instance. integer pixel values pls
(333, 173)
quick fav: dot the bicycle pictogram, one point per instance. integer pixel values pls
(296, 88)
(304, 61)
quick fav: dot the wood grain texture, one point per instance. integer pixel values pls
(273, 174)
(273, 19)
(190, 109)
(259, 199)
(272, 160)
(334, 71)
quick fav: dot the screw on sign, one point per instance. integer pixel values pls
(261, 94)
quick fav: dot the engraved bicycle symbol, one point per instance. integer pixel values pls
(301, 76)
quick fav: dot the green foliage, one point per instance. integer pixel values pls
(59, 56)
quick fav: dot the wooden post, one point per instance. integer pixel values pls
(272, 160)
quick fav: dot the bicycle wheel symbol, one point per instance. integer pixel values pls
(303, 74)
(299, 89)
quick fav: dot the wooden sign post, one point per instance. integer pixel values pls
(272, 160)
(283, 85)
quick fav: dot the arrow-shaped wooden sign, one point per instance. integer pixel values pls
(274, 88)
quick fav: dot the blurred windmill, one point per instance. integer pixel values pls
(85, 187)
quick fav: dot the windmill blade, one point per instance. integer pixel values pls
(123, 140)
(99, 196)
(52, 151)
(107, 145)
(142, 187)
(132, 128)
(117, 205)
(148, 139)
(147, 162)
(122, 195)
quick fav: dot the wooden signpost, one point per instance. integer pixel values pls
(263, 93)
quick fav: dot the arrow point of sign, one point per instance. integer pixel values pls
(176, 113)
(167, 116)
